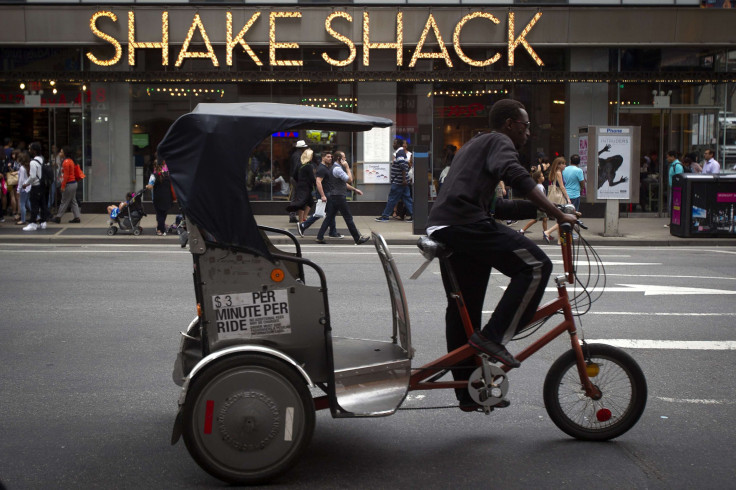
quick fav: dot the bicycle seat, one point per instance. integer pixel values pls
(432, 249)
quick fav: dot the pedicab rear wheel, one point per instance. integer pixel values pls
(247, 418)
(112, 230)
(137, 231)
(623, 390)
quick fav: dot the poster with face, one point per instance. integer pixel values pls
(613, 163)
(583, 153)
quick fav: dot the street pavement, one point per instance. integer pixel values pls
(92, 230)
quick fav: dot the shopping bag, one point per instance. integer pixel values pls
(319, 210)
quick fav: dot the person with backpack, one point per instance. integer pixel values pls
(160, 183)
(35, 181)
(70, 177)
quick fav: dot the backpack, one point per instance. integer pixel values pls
(47, 175)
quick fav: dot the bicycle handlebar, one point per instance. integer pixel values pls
(566, 242)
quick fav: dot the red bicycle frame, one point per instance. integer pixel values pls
(419, 378)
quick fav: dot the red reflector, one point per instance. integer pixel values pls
(210, 409)
(603, 415)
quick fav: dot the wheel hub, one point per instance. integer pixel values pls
(249, 421)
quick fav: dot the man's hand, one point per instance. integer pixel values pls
(323, 198)
(359, 192)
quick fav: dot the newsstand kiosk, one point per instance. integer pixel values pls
(703, 205)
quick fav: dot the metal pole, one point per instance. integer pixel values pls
(661, 162)
(618, 89)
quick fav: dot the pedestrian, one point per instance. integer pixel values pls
(711, 165)
(574, 181)
(538, 177)
(340, 178)
(556, 192)
(39, 212)
(675, 168)
(55, 161)
(23, 193)
(399, 184)
(11, 169)
(323, 185)
(301, 195)
(690, 166)
(460, 218)
(160, 183)
(296, 156)
(69, 174)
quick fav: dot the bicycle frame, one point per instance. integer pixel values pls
(420, 378)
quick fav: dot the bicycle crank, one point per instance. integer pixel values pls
(488, 384)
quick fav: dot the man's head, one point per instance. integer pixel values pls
(35, 148)
(575, 159)
(708, 154)
(398, 143)
(671, 156)
(301, 144)
(508, 116)
(327, 157)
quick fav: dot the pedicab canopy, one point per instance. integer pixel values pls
(207, 153)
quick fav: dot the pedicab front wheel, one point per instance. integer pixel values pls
(622, 386)
(247, 418)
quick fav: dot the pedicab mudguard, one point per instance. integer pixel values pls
(259, 349)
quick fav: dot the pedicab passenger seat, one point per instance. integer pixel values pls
(372, 376)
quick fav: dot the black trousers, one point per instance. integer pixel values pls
(477, 249)
(38, 200)
(161, 220)
(337, 204)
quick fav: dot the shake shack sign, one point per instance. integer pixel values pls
(412, 35)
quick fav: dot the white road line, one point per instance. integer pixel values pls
(606, 264)
(640, 313)
(672, 277)
(668, 344)
(698, 401)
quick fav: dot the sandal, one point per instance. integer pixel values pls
(159, 233)
(546, 238)
(21, 223)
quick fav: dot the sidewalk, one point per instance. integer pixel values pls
(92, 230)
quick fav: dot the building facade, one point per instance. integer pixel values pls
(109, 79)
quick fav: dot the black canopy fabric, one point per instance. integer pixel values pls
(207, 153)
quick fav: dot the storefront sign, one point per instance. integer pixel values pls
(431, 31)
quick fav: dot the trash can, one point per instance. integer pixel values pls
(703, 205)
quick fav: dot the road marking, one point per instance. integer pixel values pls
(639, 313)
(648, 290)
(672, 277)
(668, 344)
(699, 401)
(606, 264)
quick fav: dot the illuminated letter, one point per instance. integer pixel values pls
(106, 37)
(456, 39)
(239, 39)
(164, 44)
(398, 45)
(522, 39)
(418, 51)
(183, 53)
(273, 45)
(339, 37)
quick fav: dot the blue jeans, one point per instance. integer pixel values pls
(575, 202)
(399, 192)
(24, 205)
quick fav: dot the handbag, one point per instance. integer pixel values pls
(554, 194)
(11, 178)
(319, 210)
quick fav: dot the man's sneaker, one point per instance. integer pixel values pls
(42, 226)
(30, 227)
(493, 349)
(337, 235)
(409, 219)
(362, 240)
(382, 219)
(75, 220)
(56, 220)
(320, 240)
(300, 229)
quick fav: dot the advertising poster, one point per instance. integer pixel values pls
(376, 173)
(583, 153)
(613, 163)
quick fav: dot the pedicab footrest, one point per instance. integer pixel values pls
(371, 376)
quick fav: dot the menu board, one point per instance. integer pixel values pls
(377, 145)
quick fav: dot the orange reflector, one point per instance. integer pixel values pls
(593, 369)
(277, 275)
(199, 309)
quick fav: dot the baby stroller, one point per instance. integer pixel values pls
(178, 227)
(127, 219)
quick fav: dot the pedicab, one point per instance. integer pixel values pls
(260, 357)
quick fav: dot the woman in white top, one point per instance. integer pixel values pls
(23, 192)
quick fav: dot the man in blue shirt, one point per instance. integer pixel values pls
(675, 167)
(574, 181)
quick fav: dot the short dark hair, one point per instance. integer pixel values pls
(575, 159)
(502, 110)
(35, 147)
(672, 153)
(68, 152)
(325, 153)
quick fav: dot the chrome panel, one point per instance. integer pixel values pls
(371, 377)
